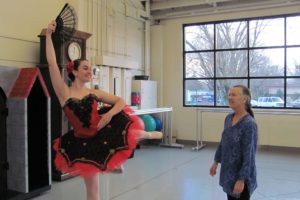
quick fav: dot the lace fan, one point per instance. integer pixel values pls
(66, 23)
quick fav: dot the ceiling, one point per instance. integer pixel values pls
(166, 9)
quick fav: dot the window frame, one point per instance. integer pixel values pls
(248, 78)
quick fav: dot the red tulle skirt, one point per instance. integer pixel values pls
(88, 167)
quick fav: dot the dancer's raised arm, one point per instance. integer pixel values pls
(58, 83)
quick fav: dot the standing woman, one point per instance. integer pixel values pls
(237, 149)
(101, 140)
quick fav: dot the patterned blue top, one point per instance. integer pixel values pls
(236, 153)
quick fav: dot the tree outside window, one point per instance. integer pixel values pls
(259, 53)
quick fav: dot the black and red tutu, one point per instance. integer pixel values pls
(86, 151)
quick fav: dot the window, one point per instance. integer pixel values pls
(261, 53)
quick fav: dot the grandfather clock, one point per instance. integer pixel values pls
(73, 49)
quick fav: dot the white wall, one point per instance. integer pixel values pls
(116, 27)
(166, 46)
(118, 31)
(21, 22)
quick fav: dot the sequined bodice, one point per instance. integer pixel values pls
(83, 114)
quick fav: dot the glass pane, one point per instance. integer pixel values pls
(223, 87)
(231, 35)
(293, 93)
(266, 32)
(293, 61)
(199, 92)
(231, 64)
(199, 65)
(267, 92)
(267, 62)
(292, 30)
(199, 37)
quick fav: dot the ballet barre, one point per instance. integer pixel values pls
(200, 111)
(166, 118)
(199, 127)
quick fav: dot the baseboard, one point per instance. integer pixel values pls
(279, 148)
(260, 147)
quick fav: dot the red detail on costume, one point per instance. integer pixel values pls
(81, 131)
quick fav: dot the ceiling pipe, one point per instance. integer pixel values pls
(162, 5)
(218, 9)
(147, 39)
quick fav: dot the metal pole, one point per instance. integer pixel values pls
(199, 131)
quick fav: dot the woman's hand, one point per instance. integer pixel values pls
(238, 186)
(51, 27)
(104, 120)
(213, 169)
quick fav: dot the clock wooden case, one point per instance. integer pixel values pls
(65, 51)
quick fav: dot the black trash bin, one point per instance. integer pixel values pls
(3, 144)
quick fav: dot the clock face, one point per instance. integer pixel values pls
(74, 51)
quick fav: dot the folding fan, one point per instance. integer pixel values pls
(66, 23)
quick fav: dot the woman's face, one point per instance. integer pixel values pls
(84, 72)
(236, 99)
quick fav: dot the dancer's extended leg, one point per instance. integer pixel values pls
(151, 135)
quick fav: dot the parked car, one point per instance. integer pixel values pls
(295, 103)
(270, 102)
(254, 103)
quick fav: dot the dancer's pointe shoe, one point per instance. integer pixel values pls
(155, 135)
